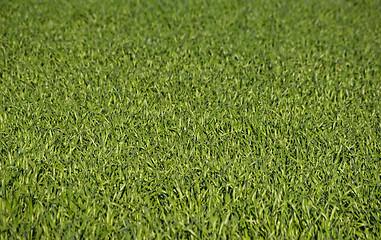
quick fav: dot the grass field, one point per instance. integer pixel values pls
(190, 119)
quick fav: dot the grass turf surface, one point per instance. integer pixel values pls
(190, 119)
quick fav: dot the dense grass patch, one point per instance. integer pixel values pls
(190, 119)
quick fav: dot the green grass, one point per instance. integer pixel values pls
(190, 119)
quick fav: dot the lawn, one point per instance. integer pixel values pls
(190, 119)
